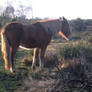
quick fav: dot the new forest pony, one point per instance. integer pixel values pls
(37, 36)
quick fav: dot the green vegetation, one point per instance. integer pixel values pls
(79, 50)
(68, 65)
(68, 70)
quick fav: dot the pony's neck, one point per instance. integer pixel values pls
(52, 27)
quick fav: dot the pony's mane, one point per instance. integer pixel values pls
(47, 20)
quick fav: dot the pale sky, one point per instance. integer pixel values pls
(70, 9)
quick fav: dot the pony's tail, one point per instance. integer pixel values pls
(5, 48)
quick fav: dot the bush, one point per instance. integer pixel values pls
(75, 51)
(68, 52)
(27, 61)
(74, 77)
(89, 39)
(76, 37)
(51, 60)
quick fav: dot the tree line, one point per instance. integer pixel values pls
(9, 14)
(81, 24)
(75, 24)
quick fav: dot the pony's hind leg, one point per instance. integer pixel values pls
(5, 51)
(7, 64)
(35, 55)
(13, 51)
(41, 58)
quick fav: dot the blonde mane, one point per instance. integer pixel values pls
(47, 20)
(52, 26)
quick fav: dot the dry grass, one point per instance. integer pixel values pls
(59, 75)
(74, 75)
(68, 75)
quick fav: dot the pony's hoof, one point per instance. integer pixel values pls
(12, 71)
(41, 67)
(33, 68)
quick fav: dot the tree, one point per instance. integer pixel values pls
(23, 11)
(9, 11)
(78, 24)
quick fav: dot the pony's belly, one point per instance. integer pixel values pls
(30, 45)
(22, 47)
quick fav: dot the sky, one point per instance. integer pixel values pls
(70, 9)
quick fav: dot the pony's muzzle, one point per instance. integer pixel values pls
(69, 37)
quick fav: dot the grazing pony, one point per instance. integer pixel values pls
(37, 36)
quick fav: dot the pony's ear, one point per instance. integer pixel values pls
(64, 18)
(61, 18)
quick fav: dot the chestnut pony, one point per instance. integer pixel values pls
(37, 36)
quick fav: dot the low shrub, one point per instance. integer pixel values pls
(89, 39)
(27, 61)
(76, 38)
(75, 51)
(51, 60)
(74, 77)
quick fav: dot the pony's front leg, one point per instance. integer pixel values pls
(41, 58)
(12, 69)
(12, 66)
(35, 54)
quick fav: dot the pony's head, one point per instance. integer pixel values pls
(65, 29)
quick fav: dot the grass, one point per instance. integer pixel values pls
(62, 70)
(11, 82)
